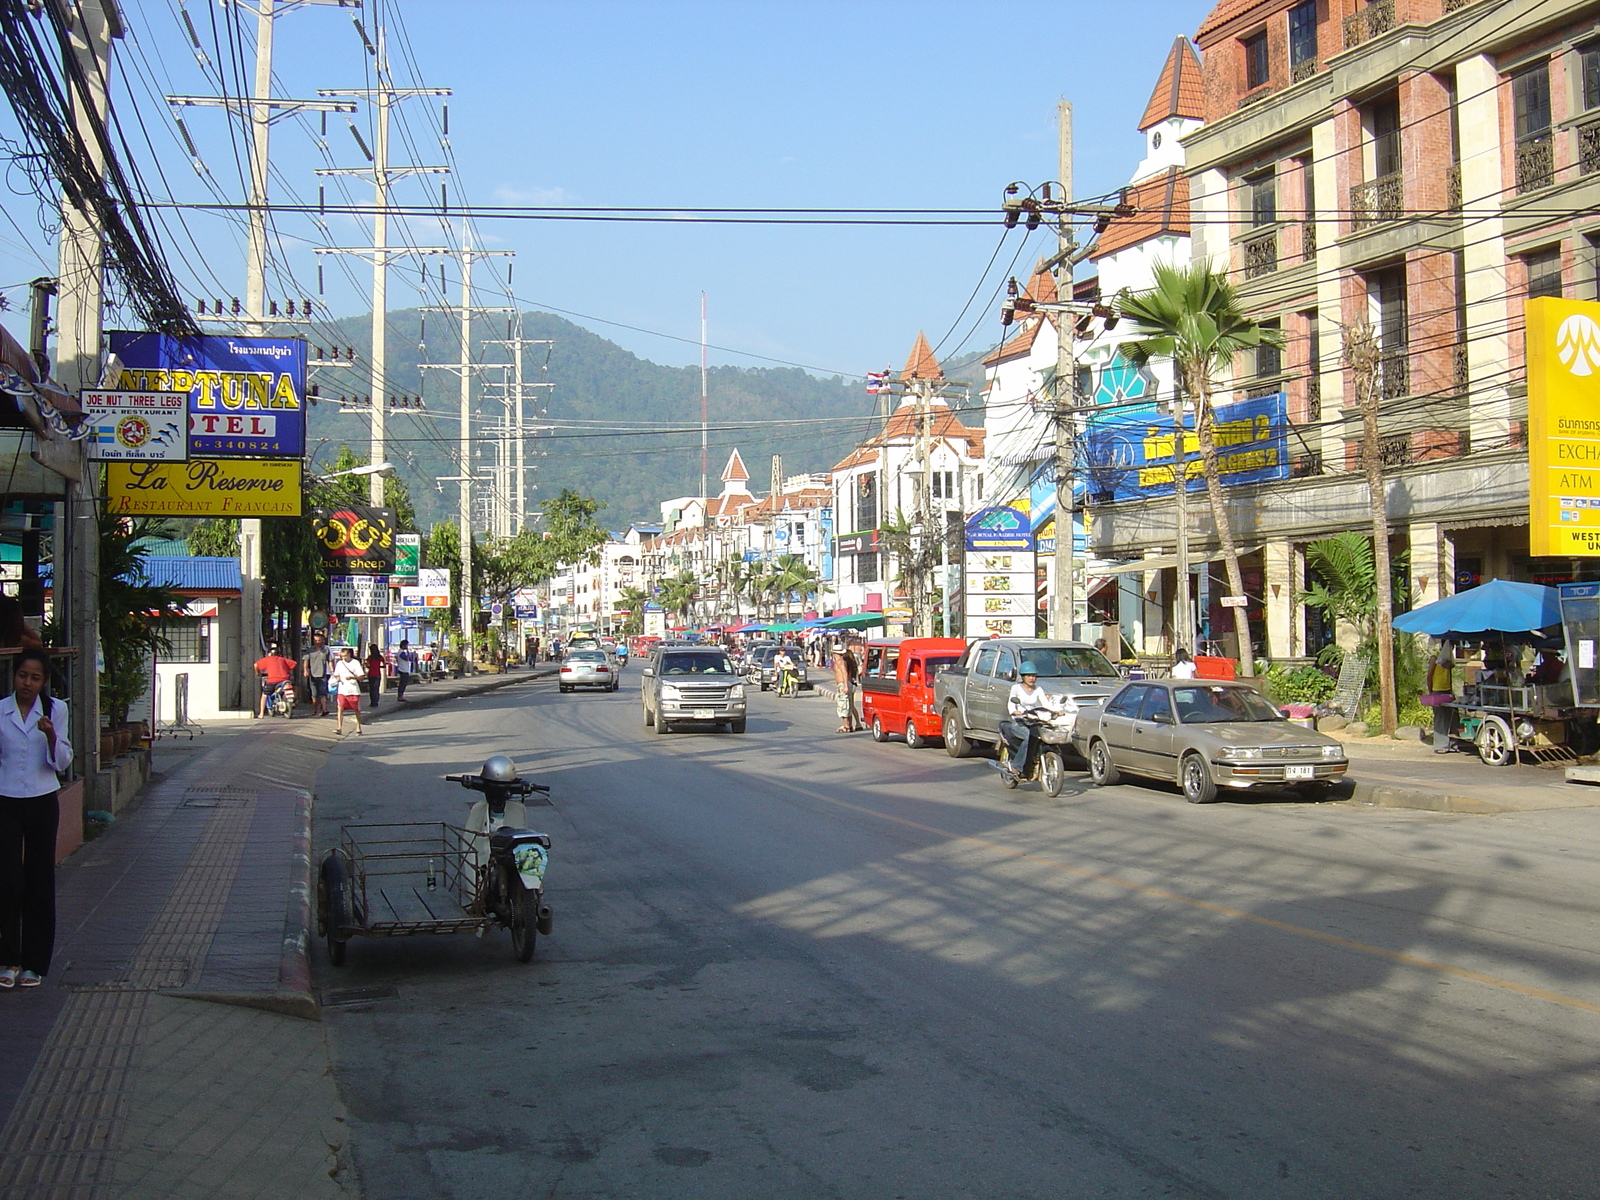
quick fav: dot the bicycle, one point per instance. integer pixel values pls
(788, 684)
(280, 701)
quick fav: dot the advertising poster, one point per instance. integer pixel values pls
(246, 394)
(999, 528)
(1130, 452)
(355, 539)
(434, 584)
(205, 487)
(359, 595)
(1563, 427)
(136, 426)
(999, 592)
(407, 556)
(411, 604)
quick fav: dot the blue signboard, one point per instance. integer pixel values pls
(1129, 453)
(247, 395)
(999, 528)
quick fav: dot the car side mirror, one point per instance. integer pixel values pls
(648, 671)
(1162, 717)
(1011, 676)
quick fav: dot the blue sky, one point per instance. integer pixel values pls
(675, 102)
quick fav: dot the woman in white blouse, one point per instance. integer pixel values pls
(33, 747)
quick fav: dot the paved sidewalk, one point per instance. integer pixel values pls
(116, 1083)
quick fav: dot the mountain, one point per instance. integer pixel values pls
(592, 380)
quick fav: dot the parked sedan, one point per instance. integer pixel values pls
(589, 668)
(1203, 735)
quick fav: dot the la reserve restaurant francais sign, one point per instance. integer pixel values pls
(205, 487)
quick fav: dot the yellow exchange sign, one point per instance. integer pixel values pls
(1563, 339)
(205, 487)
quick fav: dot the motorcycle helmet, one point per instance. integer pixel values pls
(497, 768)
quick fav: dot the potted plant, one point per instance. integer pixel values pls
(131, 610)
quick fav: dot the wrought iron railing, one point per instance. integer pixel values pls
(1314, 397)
(1536, 163)
(1261, 254)
(1303, 70)
(1394, 374)
(1306, 464)
(1377, 200)
(1308, 240)
(1249, 98)
(1460, 369)
(1395, 450)
(1452, 186)
(1372, 21)
(1451, 6)
(1589, 147)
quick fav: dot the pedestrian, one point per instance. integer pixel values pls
(275, 670)
(315, 664)
(347, 677)
(374, 671)
(33, 750)
(1440, 696)
(853, 664)
(405, 669)
(1182, 665)
(841, 689)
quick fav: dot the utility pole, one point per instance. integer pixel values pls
(466, 368)
(704, 408)
(518, 429)
(260, 110)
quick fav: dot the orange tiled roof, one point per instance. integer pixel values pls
(1235, 12)
(1178, 91)
(922, 364)
(904, 424)
(1042, 287)
(735, 468)
(1163, 204)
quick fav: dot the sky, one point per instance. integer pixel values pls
(670, 104)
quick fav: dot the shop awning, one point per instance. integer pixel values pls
(1164, 562)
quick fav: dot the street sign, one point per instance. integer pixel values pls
(136, 426)
(1234, 602)
(407, 556)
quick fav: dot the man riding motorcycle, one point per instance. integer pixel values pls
(1027, 704)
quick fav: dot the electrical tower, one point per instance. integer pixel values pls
(511, 458)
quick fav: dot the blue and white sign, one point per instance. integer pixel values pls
(1129, 453)
(246, 394)
(136, 426)
(999, 528)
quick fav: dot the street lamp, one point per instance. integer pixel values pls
(378, 469)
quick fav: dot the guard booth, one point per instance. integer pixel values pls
(1580, 626)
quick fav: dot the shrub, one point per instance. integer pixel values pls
(1300, 685)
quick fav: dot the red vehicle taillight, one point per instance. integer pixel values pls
(566, 670)
(602, 670)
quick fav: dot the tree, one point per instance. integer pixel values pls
(794, 578)
(441, 550)
(130, 609)
(1192, 316)
(1365, 360)
(1346, 591)
(679, 593)
(633, 599)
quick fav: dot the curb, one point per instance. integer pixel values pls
(1382, 795)
(488, 684)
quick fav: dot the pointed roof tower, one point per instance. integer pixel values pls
(1178, 92)
(922, 364)
(734, 476)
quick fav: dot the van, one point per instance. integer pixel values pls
(897, 687)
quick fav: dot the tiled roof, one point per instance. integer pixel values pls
(905, 424)
(1042, 287)
(735, 468)
(1235, 12)
(1178, 92)
(1163, 204)
(922, 364)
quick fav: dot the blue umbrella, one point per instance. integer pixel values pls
(1499, 606)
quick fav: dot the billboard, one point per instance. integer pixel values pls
(999, 528)
(355, 539)
(246, 394)
(1563, 340)
(407, 555)
(999, 592)
(204, 487)
(359, 595)
(1129, 452)
(136, 426)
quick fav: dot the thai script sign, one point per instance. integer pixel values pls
(354, 539)
(136, 426)
(359, 595)
(246, 394)
(407, 555)
(1563, 342)
(205, 487)
(1130, 453)
(999, 592)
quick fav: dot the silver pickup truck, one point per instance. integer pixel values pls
(691, 685)
(971, 698)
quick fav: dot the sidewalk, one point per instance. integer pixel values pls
(116, 1082)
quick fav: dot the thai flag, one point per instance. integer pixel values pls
(877, 382)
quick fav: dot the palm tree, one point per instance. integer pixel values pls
(679, 593)
(633, 599)
(795, 577)
(1192, 316)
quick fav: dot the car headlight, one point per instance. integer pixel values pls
(1237, 752)
(1333, 752)
(670, 692)
(736, 692)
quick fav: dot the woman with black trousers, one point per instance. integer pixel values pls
(374, 672)
(33, 747)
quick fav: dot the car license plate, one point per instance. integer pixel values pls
(1299, 772)
(704, 714)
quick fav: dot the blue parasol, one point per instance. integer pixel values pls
(1499, 606)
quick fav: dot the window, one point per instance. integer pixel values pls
(1385, 119)
(1530, 100)
(944, 485)
(1269, 358)
(1126, 702)
(1262, 193)
(1006, 668)
(1156, 706)
(985, 663)
(1303, 33)
(1387, 298)
(190, 638)
(1589, 68)
(1544, 272)
(1256, 71)
(866, 488)
(867, 567)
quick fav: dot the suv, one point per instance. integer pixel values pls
(691, 685)
(762, 662)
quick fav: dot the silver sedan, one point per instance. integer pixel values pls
(1203, 735)
(589, 668)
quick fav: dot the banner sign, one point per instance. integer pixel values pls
(359, 595)
(999, 592)
(999, 528)
(1563, 340)
(1130, 452)
(246, 394)
(407, 555)
(355, 539)
(205, 487)
(136, 426)
(424, 597)
(846, 543)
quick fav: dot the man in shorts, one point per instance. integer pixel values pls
(844, 687)
(275, 671)
(315, 664)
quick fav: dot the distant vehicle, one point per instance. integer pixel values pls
(589, 668)
(696, 685)
(583, 643)
(761, 671)
(1203, 734)
(971, 697)
(897, 686)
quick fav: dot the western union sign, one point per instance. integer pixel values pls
(205, 487)
(1563, 339)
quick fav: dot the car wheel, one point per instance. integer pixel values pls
(1496, 746)
(1101, 769)
(914, 739)
(1198, 787)
(662, 726)
(565, 689)
(736, 726)
(1052, 775)
(956, 742)
(649, 717)
(878, 734)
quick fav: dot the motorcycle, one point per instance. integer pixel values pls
(1045, 764)
(510, 859)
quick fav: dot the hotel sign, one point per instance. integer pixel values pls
(1563, 340)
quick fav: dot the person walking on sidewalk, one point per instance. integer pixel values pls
(347, 679)
(405, 669)
(316, 664)
(33, 748)
(374, 671)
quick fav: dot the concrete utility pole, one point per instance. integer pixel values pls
(518, 429)
(1063, 609)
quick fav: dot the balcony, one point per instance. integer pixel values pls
(1372, 21)
(1302, 71)
(1255, 97)
(1452, 187)
(1536, 163)
(1394, 374)
(1589, 147)
(1313, 397)
(1261, 254)
(1377, 201)
(1395, 450)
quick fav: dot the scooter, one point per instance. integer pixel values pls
(1045, 763)
(510, 858)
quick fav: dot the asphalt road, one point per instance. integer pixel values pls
(791, 964)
